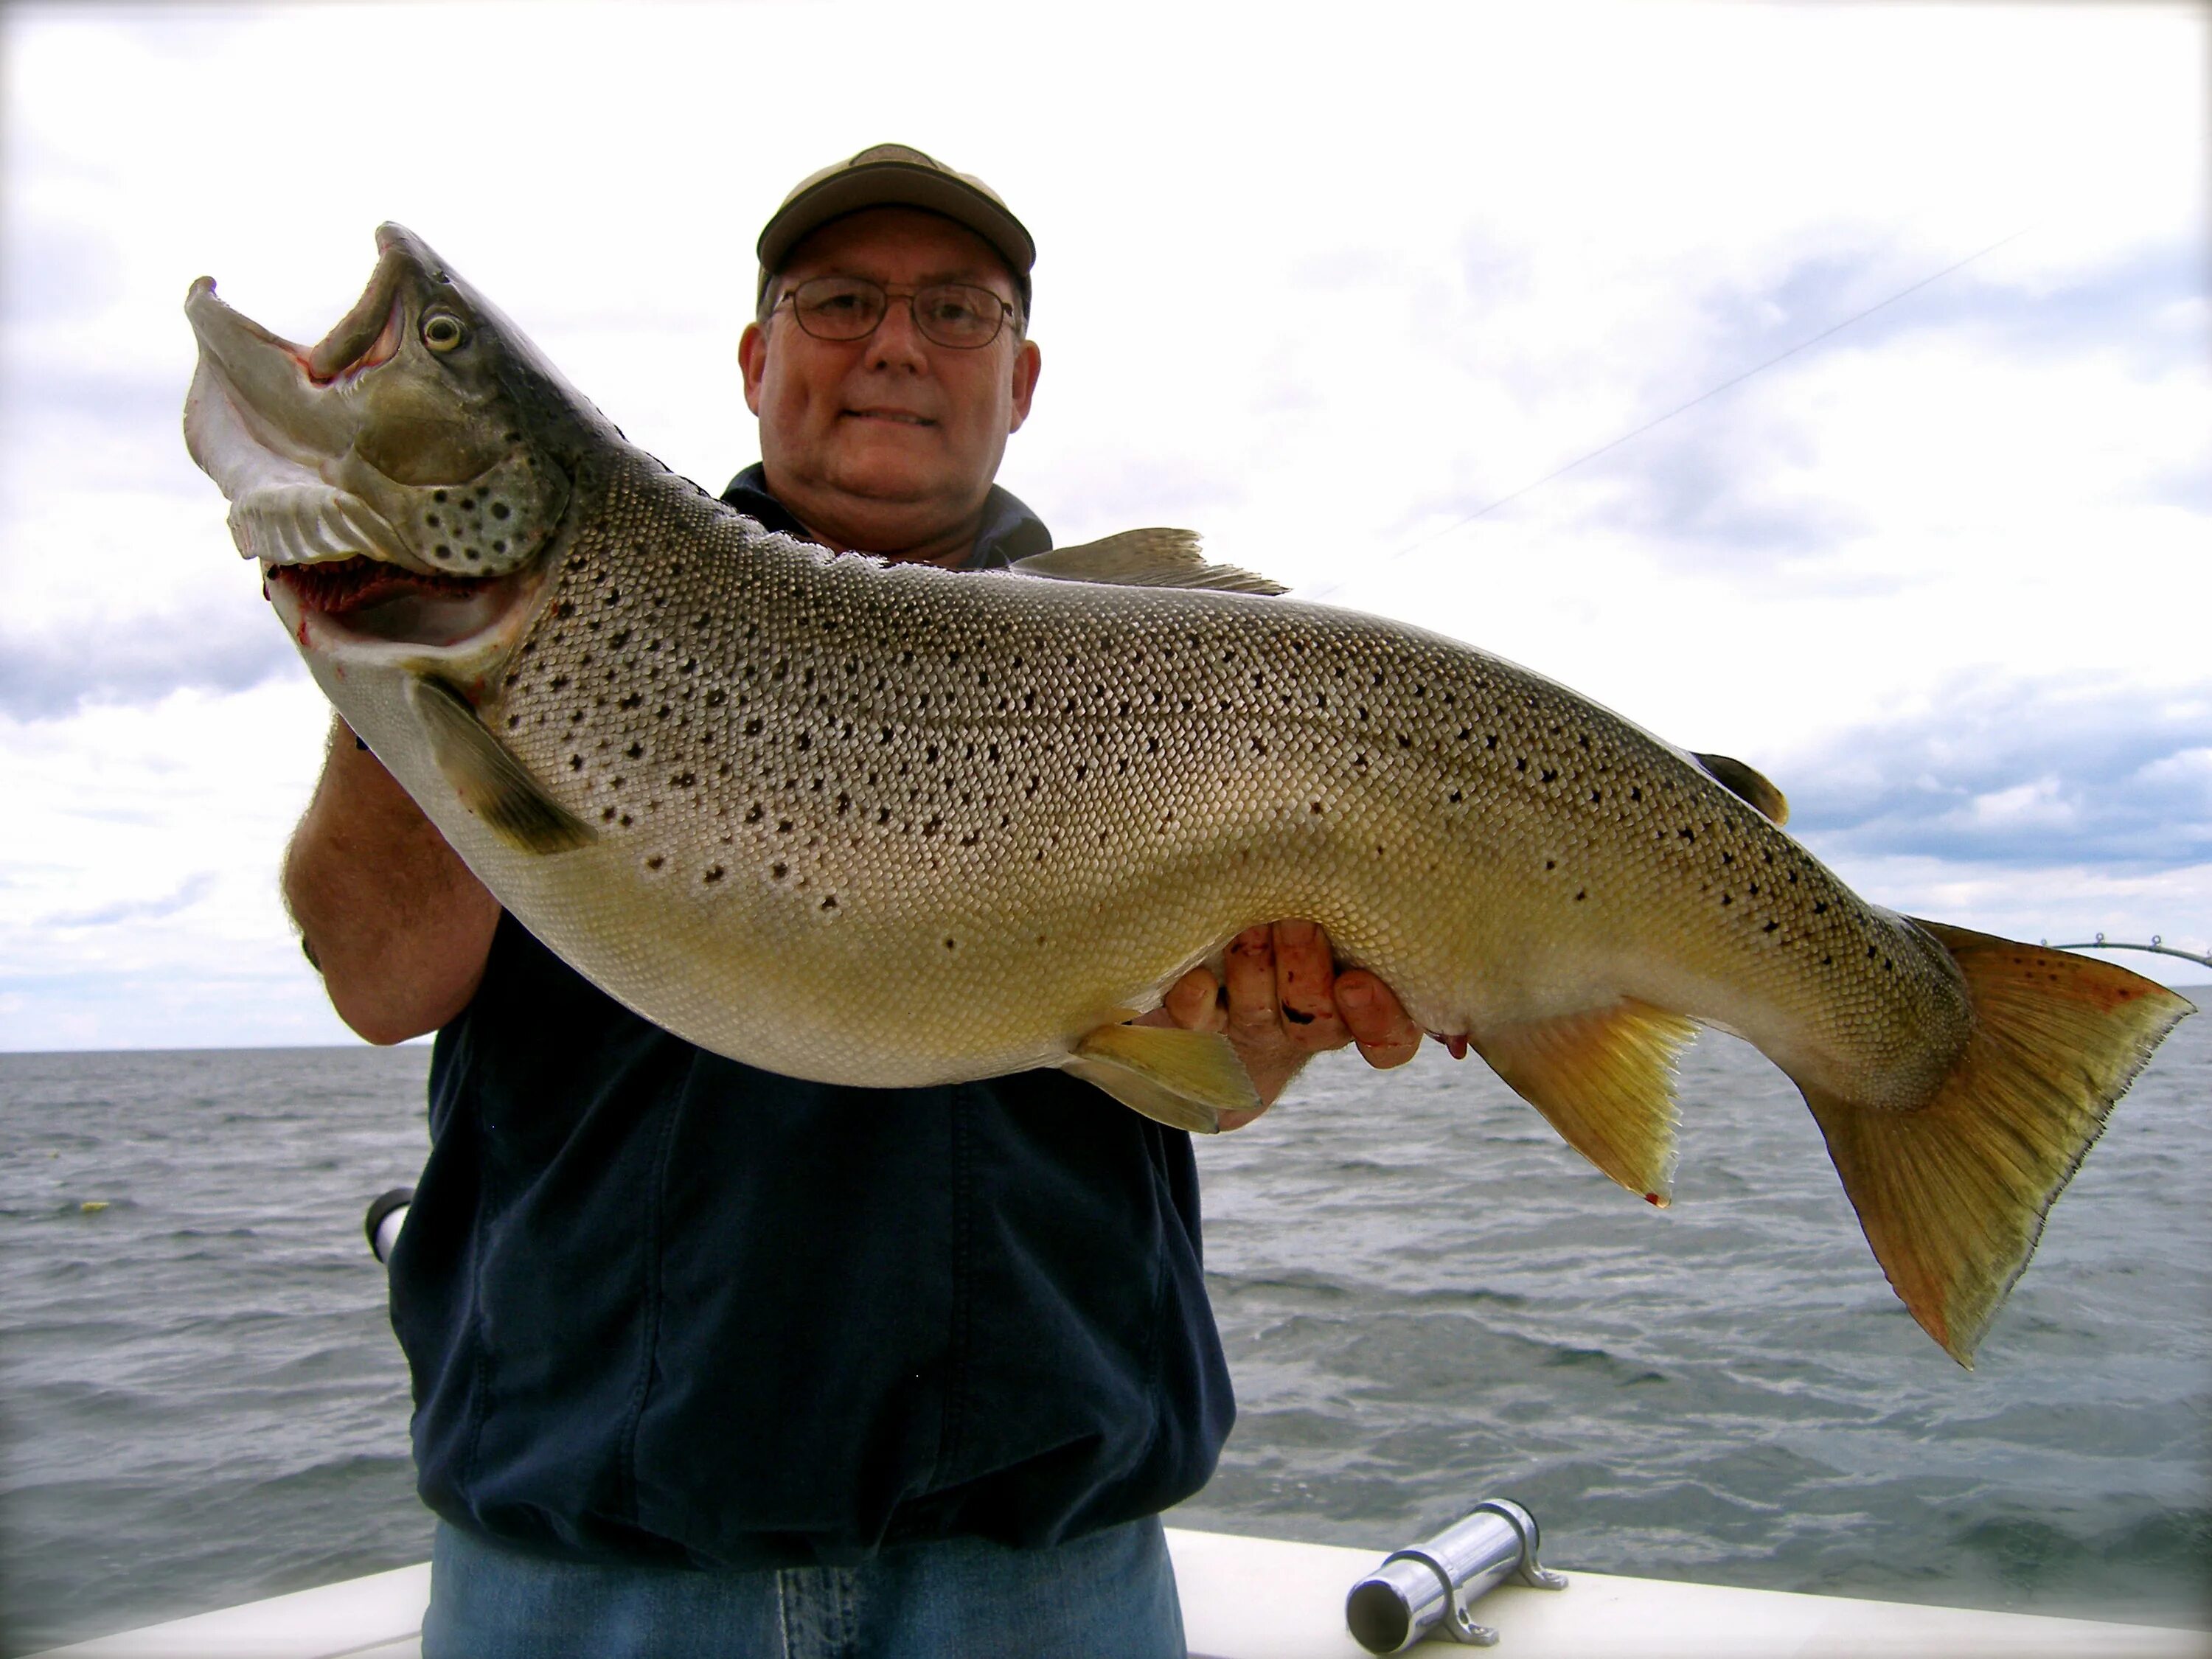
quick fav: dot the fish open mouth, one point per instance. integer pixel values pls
(377, 599)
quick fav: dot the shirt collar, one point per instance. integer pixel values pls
(1009, 530)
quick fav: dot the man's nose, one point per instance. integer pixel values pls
(897, 342)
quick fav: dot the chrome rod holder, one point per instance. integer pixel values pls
(1436, 1583)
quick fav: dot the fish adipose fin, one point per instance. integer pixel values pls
(1145, 558)
(1185, 1079)
(1605, 1078)
(1952, 1195)
(1747, 782)
(491, 781)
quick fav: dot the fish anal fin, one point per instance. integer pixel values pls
(491, 783)
(1185, 1079)
(1604, 1080)
(1145, 558)
(1952, 1195)
(1746, 783)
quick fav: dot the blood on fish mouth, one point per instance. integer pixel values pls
(339, 586)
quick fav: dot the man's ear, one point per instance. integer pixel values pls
(1029, 363)
(752, 359)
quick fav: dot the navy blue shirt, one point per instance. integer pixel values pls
(661, 1306)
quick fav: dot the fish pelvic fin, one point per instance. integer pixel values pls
(1747, 783)
(1145, 558)
(1185, 1079)
(1604, 1080)
(1952, 1194)
(491, 783)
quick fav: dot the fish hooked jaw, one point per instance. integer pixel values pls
(266, 428)
(382, 477)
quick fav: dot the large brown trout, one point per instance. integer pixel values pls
(884, 824)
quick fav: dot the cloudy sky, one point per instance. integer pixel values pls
(1324, 282)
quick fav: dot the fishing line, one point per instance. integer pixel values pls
(1661, 420)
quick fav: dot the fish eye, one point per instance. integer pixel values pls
(442, 332)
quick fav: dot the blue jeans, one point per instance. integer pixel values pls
(1110, 1595)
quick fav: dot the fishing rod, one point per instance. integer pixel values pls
(2157, 944)
(1810, 341)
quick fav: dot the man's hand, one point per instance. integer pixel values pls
(1283, 1003)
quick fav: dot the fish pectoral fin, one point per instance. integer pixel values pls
(1747, 782)
(1604, 1080)
(1952, 1194)
(491, 783)
(1145, 558)
(1185, 1079)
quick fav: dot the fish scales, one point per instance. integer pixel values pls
(886, 824)
(951, 802)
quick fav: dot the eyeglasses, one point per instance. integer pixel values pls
(956, 314)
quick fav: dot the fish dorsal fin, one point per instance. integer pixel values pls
(1733, 775)
(1605, 1078)
(491, 783)
(1185, 1079)
(1145, 558)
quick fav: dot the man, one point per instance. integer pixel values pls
(709, 1361)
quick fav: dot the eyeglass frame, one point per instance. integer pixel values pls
(1008, 310)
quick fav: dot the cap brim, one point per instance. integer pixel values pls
(895, 184)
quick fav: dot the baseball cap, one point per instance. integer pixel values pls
(895, 175)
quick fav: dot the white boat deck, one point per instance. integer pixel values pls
(1260, 1598)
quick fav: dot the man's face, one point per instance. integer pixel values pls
(883, 441)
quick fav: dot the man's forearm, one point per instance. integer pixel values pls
(394, 920)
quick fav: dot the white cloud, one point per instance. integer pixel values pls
(1321, 286)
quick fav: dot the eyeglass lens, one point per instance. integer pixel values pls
(956, 314)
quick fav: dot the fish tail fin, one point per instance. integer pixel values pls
(1952, 1194)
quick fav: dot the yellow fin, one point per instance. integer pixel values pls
(491, 781)
(1185, 1079)
(1605, 1078)
(1145, 558)
(1746, 783)
(1952, 1195)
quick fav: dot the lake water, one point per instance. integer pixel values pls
(1427, 1300)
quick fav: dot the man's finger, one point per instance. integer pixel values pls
(1386, 1034)
(1250, 975)
(1193, 1002)
(1304, 973)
